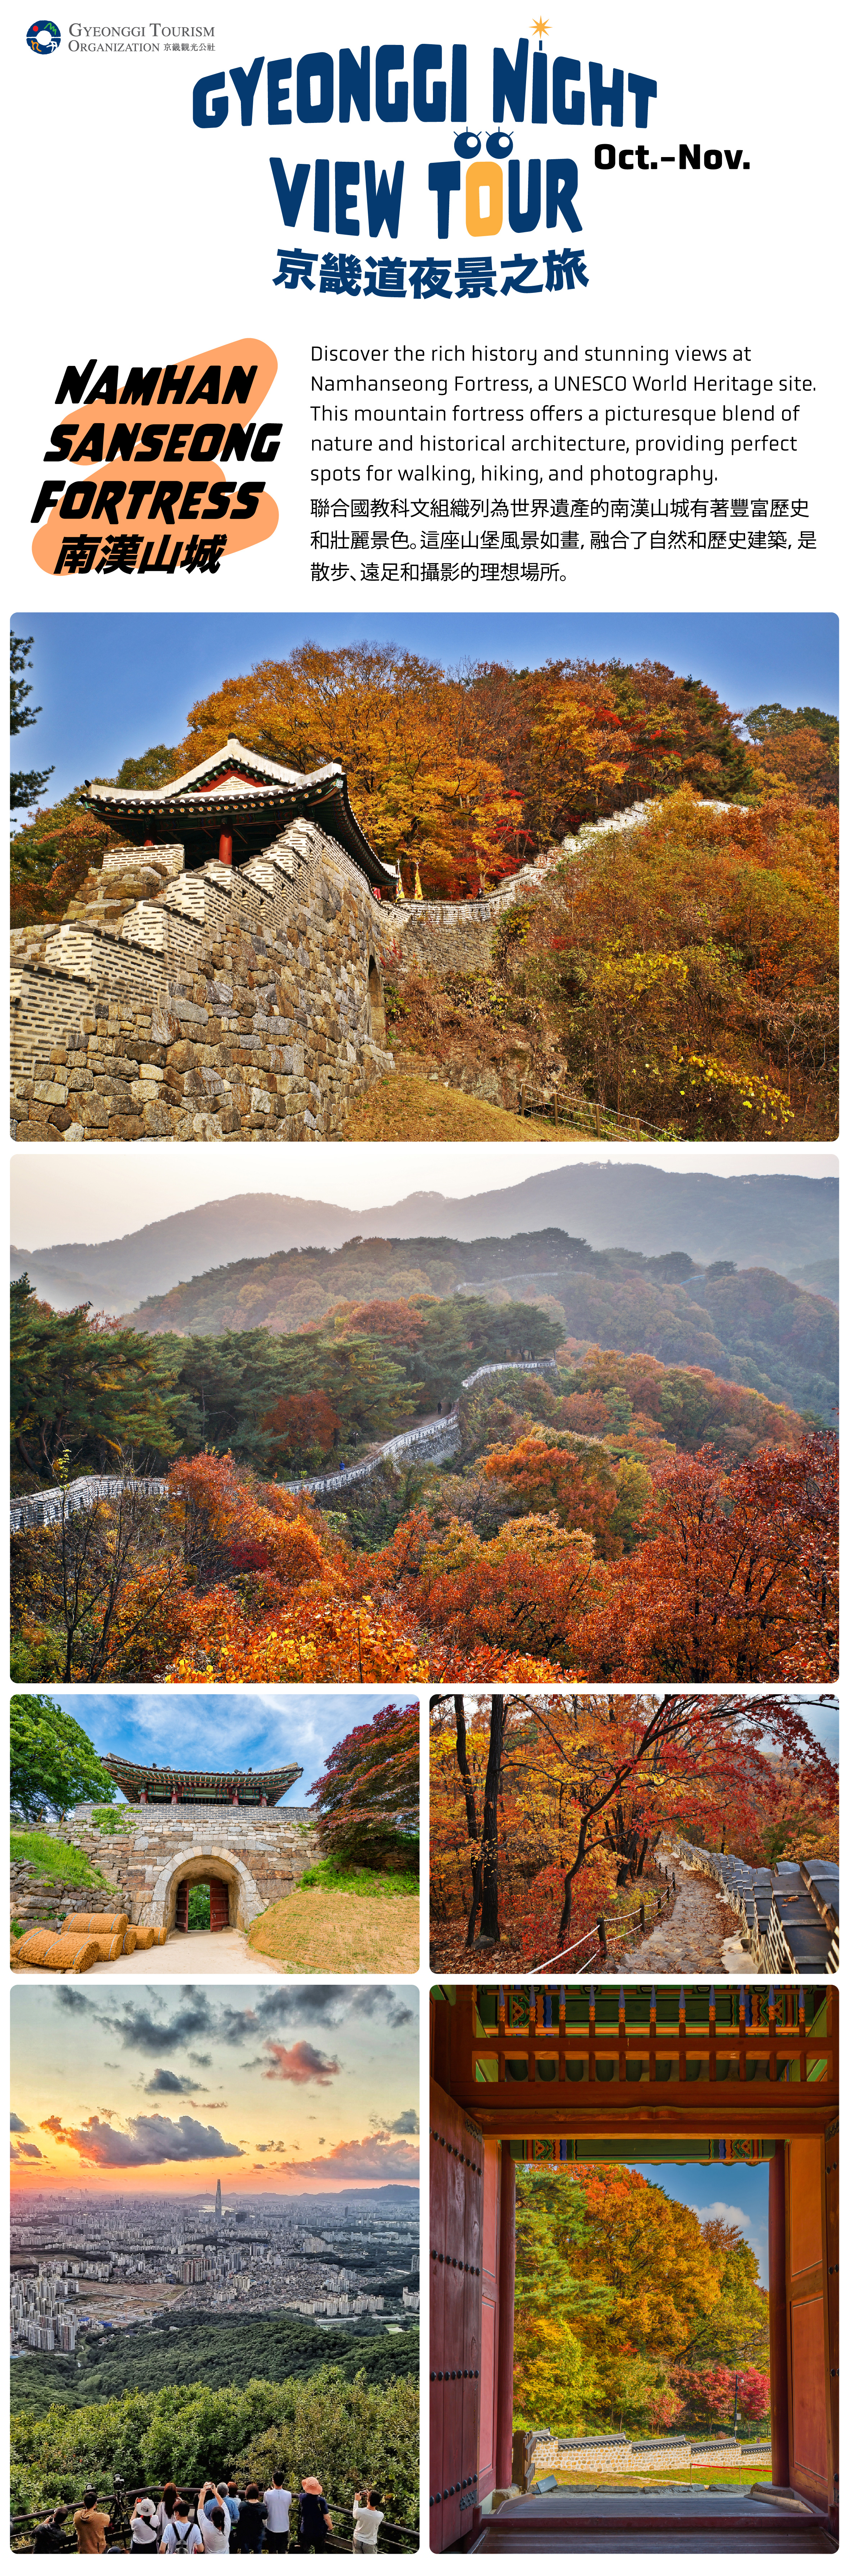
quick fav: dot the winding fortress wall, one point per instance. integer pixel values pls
(228, 1002)
(43, 1509)
(434, 1440)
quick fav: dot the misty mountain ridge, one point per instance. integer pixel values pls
(784, 1222)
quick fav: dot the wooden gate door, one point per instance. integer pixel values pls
(832, 2255)
(219, 1905)
(456, 2212)
(808, 2361)
(181, 1912)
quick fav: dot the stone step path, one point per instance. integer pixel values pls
(701, 1935)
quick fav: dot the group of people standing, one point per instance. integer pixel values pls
(226, 2518)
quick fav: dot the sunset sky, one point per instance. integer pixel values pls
(301, 2088)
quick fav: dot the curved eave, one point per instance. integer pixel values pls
(133, 1776)
(323, 799)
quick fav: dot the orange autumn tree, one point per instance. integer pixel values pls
(738, 1581)
(690, 966)
(423, 787)
(545, 1811)
(629, 2307)
(269, 1593)
(307, 1427)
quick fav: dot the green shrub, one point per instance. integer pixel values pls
(341, 2429)
(55, 1859)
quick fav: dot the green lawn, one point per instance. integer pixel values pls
(624, 2481)
(352, 1881)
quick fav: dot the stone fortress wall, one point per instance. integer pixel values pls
(225, 1002)
(260, 1852)
(615, 2454)
(228, 1002)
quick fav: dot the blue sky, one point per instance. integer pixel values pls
(737, 2193)
(111, 685)
(217, 1730)
(823, 1719)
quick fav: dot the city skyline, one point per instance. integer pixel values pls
(290, 2090)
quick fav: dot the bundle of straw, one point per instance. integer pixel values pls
(33, 1949)
(96, 1922)
(71, 1955)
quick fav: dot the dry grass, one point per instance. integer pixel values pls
(408, 1108)
(322, 1931)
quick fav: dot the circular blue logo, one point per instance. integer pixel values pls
(43, 36)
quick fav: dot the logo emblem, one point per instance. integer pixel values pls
(43, 36)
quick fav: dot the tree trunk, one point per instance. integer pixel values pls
(566, 1915)
(489, 1847)
(463, 1768)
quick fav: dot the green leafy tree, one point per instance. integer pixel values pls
(764, 723)
(53, 1764)
(26, 784)
(81, 1391)
(344, 2428)
(153, 768)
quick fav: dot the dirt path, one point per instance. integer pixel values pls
(184, 1954)
(701, 1934)
(310, 1932)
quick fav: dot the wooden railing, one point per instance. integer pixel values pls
(607, 1928)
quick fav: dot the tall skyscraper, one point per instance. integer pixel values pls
(218, 2204)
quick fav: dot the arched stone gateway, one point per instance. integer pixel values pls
(257, 1853)
(198, 1865)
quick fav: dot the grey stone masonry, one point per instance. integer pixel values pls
(241, 1003)
(259, 1852)
(37, 1899)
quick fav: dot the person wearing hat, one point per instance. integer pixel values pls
(314, 2521)
(145, 2535)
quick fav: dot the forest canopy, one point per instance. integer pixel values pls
(631, 2309)
(463, 773)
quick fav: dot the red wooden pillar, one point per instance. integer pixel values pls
(779, 2400)
(225, 850)
(506, 2300)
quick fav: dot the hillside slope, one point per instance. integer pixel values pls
(784, 1220)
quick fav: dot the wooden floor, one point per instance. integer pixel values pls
(696, 2523)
